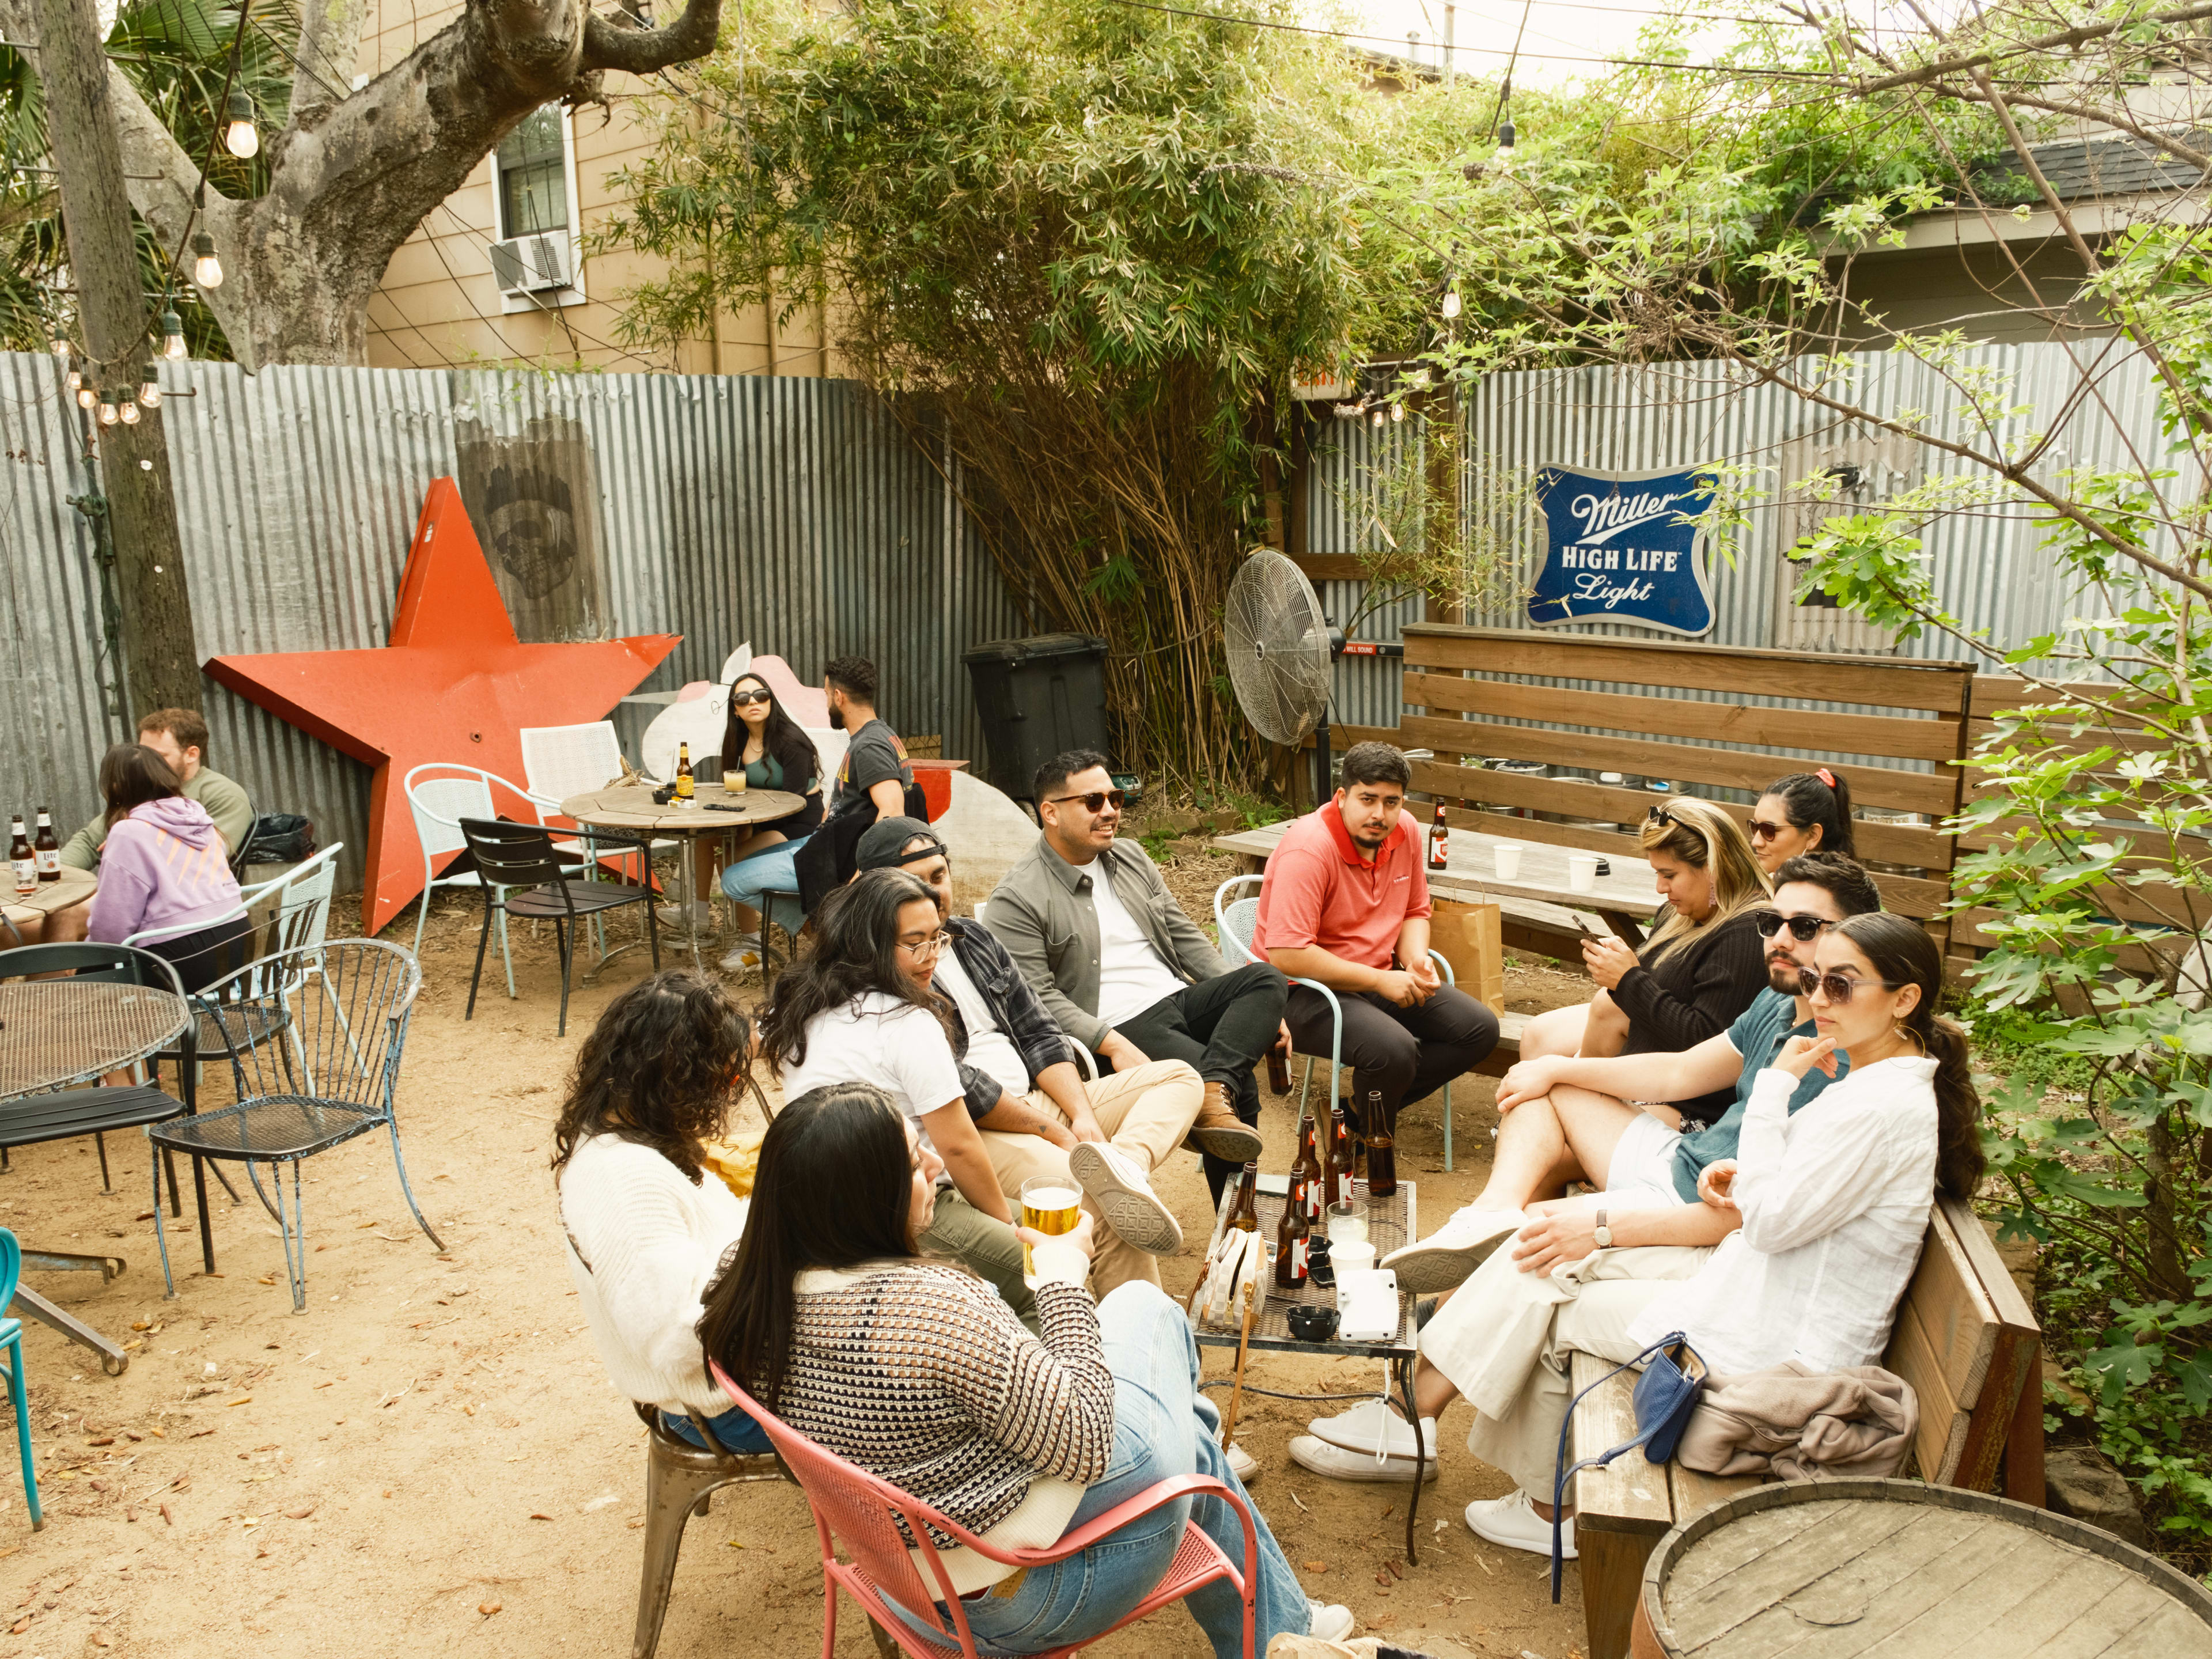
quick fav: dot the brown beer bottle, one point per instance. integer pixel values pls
(1279, 1065)
(683, 784)
(26, 862)
(1294, 1236)
(45, 850)
(1382, 1152)
(1436, 834)
(1306, 1176)
(1244, 1216)
(1341, 1157)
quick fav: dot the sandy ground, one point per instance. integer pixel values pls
(428, 1461)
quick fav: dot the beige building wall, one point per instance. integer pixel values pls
(440, 304)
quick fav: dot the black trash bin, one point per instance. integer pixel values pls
(1038, 697)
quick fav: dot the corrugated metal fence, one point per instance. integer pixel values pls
(792, 514)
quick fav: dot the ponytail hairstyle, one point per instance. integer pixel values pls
(1822, 799)
(1900, 951)
(1704, 837)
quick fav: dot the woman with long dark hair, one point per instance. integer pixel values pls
(831, 1318)
(646, 1225)
(1803, 812)
(765, 743)
(164, 867)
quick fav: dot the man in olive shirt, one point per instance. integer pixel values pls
(179, 737)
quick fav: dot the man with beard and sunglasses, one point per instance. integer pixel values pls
(1121, 968)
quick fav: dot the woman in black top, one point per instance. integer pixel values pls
(1702, 966)
(763, 741)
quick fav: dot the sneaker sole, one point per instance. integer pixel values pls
(1136, 1214)
(1235, 1142)
(1426, 1269)
(1567, 1551)
(1394, 1471)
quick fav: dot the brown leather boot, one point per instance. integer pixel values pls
(1219, 1130)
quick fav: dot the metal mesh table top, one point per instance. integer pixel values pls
(54, 1032)
(1390, 1222)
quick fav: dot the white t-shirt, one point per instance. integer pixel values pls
(990, 1050)
(878, 1039)
(1131, 975)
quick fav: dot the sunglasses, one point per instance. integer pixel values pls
(1770, 922)
(741, 698)
(1762, 830)
(1837, 987)
(1663, 815)
(1095, 802)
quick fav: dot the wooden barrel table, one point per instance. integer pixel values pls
(1835, 1569)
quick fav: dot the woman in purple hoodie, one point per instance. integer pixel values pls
(164, 866)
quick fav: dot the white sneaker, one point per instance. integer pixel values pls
(743, 956)
(1327, 1621)
(671, 915)
(1242, 1464)
(1447, 1256)
(1125, 1198)
(1513, 1521)
(1375, 1429)
(1338, 1464)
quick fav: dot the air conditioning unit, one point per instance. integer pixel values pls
(529, 264)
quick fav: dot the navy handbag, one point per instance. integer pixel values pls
(1666, 1394)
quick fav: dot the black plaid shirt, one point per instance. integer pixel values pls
(1015, 1009)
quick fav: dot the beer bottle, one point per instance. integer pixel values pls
(1244, 1216)
(1294, 1236)
(1306, 1173)
(1382, 1152)
(1436, 840)
(1342, 1156)
(26, 862)
(683, 784)
(46, 849)
(1279, 1065)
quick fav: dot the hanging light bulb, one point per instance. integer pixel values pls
(75, 374)
(1378, 417)
(207, 270)
(108, 413)
(1451, 303)
(149, 388)
(61, 345)
(87, 395)
(128, 411)
(1505, 133)
(240, 137)
(1397, 414)
(172, 335)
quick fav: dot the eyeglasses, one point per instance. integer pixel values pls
(933, 946)
(1770, 922)
(741, 698)
(1837, 987)
(1762, 830)
(1093, 802)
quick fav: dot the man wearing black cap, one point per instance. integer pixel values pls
(1038, 1115)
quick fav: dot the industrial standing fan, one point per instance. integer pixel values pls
(1280, 648)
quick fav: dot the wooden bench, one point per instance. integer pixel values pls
(1965, 1339)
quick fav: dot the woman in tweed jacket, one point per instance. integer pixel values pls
(914, 1370)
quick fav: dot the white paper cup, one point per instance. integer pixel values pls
(1581, 872)
(1508, 854)
(1352, 1256)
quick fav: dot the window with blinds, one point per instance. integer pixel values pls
(533, 175)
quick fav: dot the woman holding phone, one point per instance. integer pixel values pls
(765, 743)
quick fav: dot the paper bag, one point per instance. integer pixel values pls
(1467, 936)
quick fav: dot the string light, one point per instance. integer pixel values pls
(207, 270)
(108, 413)
(1397, 414)
(149, 388)
(61, 345)
(242, 138)
(172, 335)
(1378, 418)
(129, 412)
(1505, 133)
(86, 396)
(75, 374)
(1451, 303)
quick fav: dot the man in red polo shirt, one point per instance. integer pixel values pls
(1345, 903)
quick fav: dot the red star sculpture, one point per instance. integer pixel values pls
(452, 684)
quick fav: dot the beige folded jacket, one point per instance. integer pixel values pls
(1800, 1424)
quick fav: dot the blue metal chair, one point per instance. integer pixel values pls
(11, 1345)
(1233, 922)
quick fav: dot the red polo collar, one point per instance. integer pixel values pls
(1346, 850)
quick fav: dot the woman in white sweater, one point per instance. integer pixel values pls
(646, 1223)
(1833, 1202)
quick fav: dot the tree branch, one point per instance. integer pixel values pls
(608, 45)
(2073, 37)
(330, 47)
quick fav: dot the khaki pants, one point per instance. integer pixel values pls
(1146, 1113)
(1506, 1340)
(986, 1247)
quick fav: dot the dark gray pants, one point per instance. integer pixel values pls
(1221, 1027)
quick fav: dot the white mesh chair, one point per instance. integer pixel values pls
(1234, 920)
(439, 795)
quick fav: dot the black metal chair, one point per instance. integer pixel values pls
(65, 1114)
(238, 860)
(326, 1072)
(523, 876)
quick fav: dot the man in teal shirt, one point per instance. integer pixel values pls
(1563, 1119)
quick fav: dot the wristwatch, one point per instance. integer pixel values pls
(1604, 1234)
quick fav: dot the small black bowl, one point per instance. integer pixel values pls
(1312, 1322)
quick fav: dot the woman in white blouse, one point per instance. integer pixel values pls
(1833, 1202)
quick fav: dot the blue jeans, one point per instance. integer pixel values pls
(772, 872)
(1162, 1427)
(734, 1428)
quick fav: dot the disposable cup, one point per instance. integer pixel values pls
(1346, 1225)
(1351, 1257)
(1508, 854)
(1581, 872)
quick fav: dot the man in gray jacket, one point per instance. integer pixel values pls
(1120, 967)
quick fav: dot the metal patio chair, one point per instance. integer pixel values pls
(439, 795)
(679, 1478)
(344, 1009)
(11, 1349)
(524, 876)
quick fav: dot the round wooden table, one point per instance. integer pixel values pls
(714, 810)
(75, 887)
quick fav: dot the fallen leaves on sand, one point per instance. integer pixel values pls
(488, 1609)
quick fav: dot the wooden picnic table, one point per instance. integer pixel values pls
(1624, 897)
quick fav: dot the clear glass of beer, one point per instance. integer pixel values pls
(1050, 1205)
(734, 782)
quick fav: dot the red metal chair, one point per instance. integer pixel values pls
(853, 1506)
